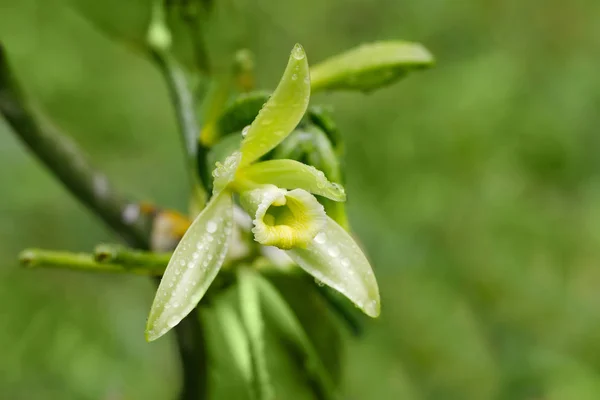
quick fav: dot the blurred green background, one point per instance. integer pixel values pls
(474, 187)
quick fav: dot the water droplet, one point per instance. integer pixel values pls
(319, 283)
(172, 322)
(334, 251)
(321, 238)
(298, 52)
(294, 77)
(346, 263)
(211, 227)
(210, 238)
(266, 121)
(245, 130)
(182, 262)
(191, 265)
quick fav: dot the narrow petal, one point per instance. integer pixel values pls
(290, 174)
(282, 112)
(336, 260)
(193, 266)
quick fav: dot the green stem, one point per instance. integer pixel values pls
(65, 160)
(182, 98)
(36, 258)
(117, 254)
(62, 156)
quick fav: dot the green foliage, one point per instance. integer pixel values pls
(474, 189)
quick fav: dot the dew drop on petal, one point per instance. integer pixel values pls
(345, 262)
(321, 238)
(211, 227)
(245, 130)
(334, 251)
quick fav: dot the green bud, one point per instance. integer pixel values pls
(369, 66)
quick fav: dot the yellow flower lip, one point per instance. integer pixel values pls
(284, 219)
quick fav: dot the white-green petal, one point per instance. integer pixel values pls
(290, 174)
(336, 260)
(282, 112)
(193, 266)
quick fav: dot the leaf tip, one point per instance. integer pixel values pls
(298, 52)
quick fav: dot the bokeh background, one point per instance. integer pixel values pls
(474, 187)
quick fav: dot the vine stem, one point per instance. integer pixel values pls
(66, 161)
(37, 258)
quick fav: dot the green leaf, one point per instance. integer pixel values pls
(235, 335)
(290, 174)
(336, 260)
(253, 321)
(321, 117)
(370, 66)
(282, 112)
(286, 321)
(194, 265)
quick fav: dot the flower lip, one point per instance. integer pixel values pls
(285, 219)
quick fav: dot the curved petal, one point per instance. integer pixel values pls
(283, 219)
(290, 174)
(193, 266)
(282, 112)
(336, 260)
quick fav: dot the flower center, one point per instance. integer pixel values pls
(285, 219)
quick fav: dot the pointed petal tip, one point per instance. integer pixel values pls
(298, 51)
(150, 335)
(373, 308)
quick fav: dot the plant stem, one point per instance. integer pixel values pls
(182, 98)
(65, 160)
(62, 156)
(117, 254)
(36, 258)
